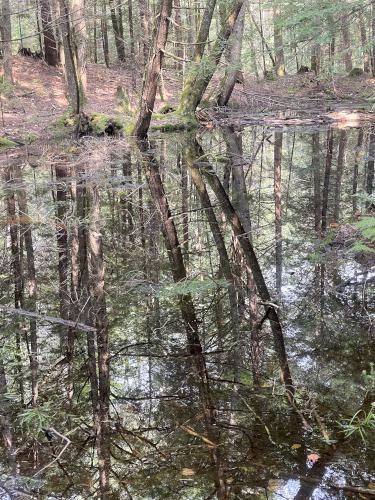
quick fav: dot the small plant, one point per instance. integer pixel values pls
(361, 423)
(36, 419)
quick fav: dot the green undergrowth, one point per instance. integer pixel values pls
(7, 143)
(98, 124)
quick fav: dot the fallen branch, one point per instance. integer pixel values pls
(49, 319)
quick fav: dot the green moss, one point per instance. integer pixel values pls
(356, 72)
(100, 122)
(7, 143)
(129, 128)
(30, 137)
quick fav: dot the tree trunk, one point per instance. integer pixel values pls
(179, 274)
(233, 74)
(370, 167)
(327, 176)
(339, 172)
(365, 50)
(252, 262)
(98, 301)
(119, 42)
(196, 84)
(373, 38)
(278, 43)
(193, 152)
(70, 70)
(144, 15)
(316, 172)
(6, 35)
(79, 43)
(346, 38)
(278, 210)
(51, 55)
(356, 169)
(103, 24)
(152, 75)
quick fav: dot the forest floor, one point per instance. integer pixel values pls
(38, 99)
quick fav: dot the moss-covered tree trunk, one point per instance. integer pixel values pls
(150, 84)
(200, 75)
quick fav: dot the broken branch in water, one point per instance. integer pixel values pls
(49, 319)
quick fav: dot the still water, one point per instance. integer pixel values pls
(137, 358)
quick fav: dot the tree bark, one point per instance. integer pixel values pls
(119, 42)
(346, 38)
(278, 43)
(179, 275)
(153, 71)
(196, 84)
(51, 55)
(6, 35)
(252, 262)
(233, 73)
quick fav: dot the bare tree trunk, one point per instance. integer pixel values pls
(70, 70)
(370, 167)
(153, 70)
(79, 42)
(103, 24)
(373, 38)
(119, 42)
(144, 15)
(356, 168)
(51, 55)
(315, 58)
(233, 74)
(97, 293)
(131, 38)
(179, 274)
(339, 172)
(17, 271)
(316, 172)
(278, 43)
(346, 38)
(6, 35)
(191, 154)
(95, 32)
(252, 262)
(31, 284)
(365, 50)
(327, 176)
(278, 210)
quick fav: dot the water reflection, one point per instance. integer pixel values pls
(180, 277)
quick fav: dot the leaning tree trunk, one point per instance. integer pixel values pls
(150, 83)
(233, 74)
(6, 35)
(51, 55)
(252, 262)
(196, 85)
(70, 70)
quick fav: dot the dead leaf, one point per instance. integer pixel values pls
(187, 472)
(313, 457)
(296, 446)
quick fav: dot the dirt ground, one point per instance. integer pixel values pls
(39, 96)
